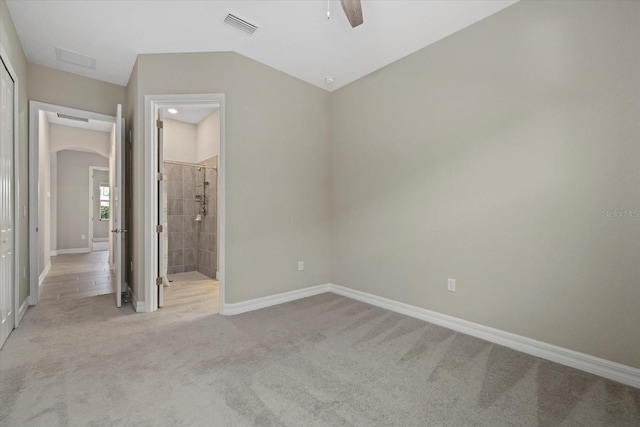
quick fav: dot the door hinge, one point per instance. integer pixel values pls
(159, 281)
(159, 124)
(158, 176)
(159, 228)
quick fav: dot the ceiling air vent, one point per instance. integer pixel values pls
(241, 24)
(68, 117)
(75, 58)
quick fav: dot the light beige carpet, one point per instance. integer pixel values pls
(320, 361)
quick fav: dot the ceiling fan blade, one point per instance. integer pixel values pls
(353, 10)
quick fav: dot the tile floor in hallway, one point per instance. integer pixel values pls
(76, 276)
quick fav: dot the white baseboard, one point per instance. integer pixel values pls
(22, 311)
(44, 274)
(255, 304)
(585, 362)
(138, 306)
(100, 246)
(70, 251)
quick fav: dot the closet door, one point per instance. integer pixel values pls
(6, 205)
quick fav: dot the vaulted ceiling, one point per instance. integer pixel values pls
(293, 36)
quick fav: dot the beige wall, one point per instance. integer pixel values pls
(71, 90)
(491, 157)
(11, 45)
(208, 137)
(179, 139)
(186, 142)
(53, 205)
(72, 138)
(277, 177)
(44, 193)
(73, 197)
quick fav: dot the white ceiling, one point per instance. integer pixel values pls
(294, 36)
(97, 125)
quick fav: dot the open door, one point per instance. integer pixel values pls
(118, 208)
(162, 220)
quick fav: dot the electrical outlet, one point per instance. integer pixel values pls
(300, 265)
(451, 285)
(83, 237)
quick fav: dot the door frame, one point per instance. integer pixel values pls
(92, 169)
(18, 311)
(151, 105)
(34, 177)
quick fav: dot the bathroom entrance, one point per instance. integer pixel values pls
(188, 212)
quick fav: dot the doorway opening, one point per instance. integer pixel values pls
(187, 192)
(73, 192)
(191, 146)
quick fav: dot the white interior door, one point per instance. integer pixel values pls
(6, 205)
(161, 213)
(118, 208)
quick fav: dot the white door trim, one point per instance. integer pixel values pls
(91, 195)
(16, 186)
(151, 105)
(34, 175)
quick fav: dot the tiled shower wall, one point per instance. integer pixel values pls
(192, 245)
(181, 212)
(207, 239)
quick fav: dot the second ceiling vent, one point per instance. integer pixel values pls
(240, 24)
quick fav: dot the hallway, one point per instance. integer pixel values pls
(77, 276)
